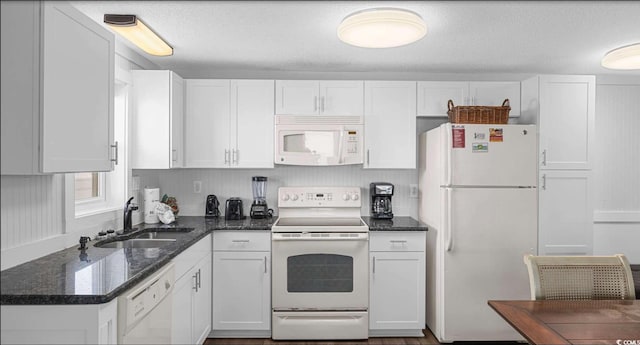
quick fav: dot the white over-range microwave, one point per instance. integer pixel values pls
(319, 140)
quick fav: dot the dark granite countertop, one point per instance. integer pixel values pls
(98, 275)
(396, 224)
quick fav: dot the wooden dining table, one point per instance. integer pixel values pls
(552, 322)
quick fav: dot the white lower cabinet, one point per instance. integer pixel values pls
(397, 283)
(565, 213)
(60, 324)
(191, 322)
(242, 284)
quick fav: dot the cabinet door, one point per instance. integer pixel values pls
(151, 120)
(390, 124)
(252, 123)
(342, 98)
(565, 213)
(201, 302)
(76, 91)
(433, 96)
(566, 121)
(241, 291)
(297, 97)
(207, 123)
(494, 93)
(181, 331)
(397, 290)
(177, 121)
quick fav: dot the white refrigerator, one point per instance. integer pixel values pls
(478, 197)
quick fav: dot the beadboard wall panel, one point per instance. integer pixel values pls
(617, 162)
(226, 183)
(31, 209)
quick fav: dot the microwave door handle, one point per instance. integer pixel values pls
(340, 145)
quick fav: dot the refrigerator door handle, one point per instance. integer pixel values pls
(449, 219)
(448, 145)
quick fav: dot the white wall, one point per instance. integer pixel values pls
(617, 167)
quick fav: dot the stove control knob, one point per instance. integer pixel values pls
(345, 197)
(294, 197)
(285, 197)
(355, 197)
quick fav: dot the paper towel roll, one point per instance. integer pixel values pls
(151, 199)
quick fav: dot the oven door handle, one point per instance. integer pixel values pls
(276, 237)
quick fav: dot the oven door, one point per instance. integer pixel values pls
(320, 271)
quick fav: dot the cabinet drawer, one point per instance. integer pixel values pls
(190, 257)
(396, 241)
(242, 240)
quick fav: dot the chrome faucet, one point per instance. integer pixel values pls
(128, 208)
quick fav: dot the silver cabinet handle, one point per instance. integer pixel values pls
(367, 157)
(374, 265)
(544, 157)
(265, 264)
(240, 241)
(195, 282)
(315, 103)
(235, 154)
(174, 154)
(115, 159)
(322, 99)
(544, 182)
(398, 242)
(226, 156)
(199, 279)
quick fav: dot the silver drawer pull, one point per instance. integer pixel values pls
(240, 241)
(398, 242)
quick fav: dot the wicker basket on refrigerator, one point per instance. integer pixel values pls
(479, 114)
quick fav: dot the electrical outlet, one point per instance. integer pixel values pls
(413, 190)
(197, 186)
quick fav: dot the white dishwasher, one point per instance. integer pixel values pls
(144, 312)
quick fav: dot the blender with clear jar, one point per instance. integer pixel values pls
(259, 207)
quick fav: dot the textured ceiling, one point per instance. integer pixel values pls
(463, 37)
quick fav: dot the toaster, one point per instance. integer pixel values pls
(233, 209)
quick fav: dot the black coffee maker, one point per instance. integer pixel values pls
(211, 207)
(381, 193)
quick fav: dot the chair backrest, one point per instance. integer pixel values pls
(580, 277)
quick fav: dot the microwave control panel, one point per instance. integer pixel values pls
(353, 138)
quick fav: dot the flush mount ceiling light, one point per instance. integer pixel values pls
(382, 28)
(627, 57)
(133, 29)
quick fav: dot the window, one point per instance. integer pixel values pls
(87, 186)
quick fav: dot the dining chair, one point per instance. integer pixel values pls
(580, 277)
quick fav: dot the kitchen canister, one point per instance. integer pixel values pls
(151, 199)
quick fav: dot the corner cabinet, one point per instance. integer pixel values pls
(312, 97)
(157, 120)
(242, 284)
(397, 274)
(57, 90)
(390, 124)
(191, 322)
(433, 96)
(229, 123)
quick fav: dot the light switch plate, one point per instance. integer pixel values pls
(197, 186)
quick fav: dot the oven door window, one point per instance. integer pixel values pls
(320, 273)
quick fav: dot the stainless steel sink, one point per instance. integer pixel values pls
(138, 243)
(154, 235)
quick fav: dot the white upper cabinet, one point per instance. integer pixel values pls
(312, 97)
(390, 124)
(157, 120)
(433, 96)
(229, 123)
(563, 106)
(57, 90)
